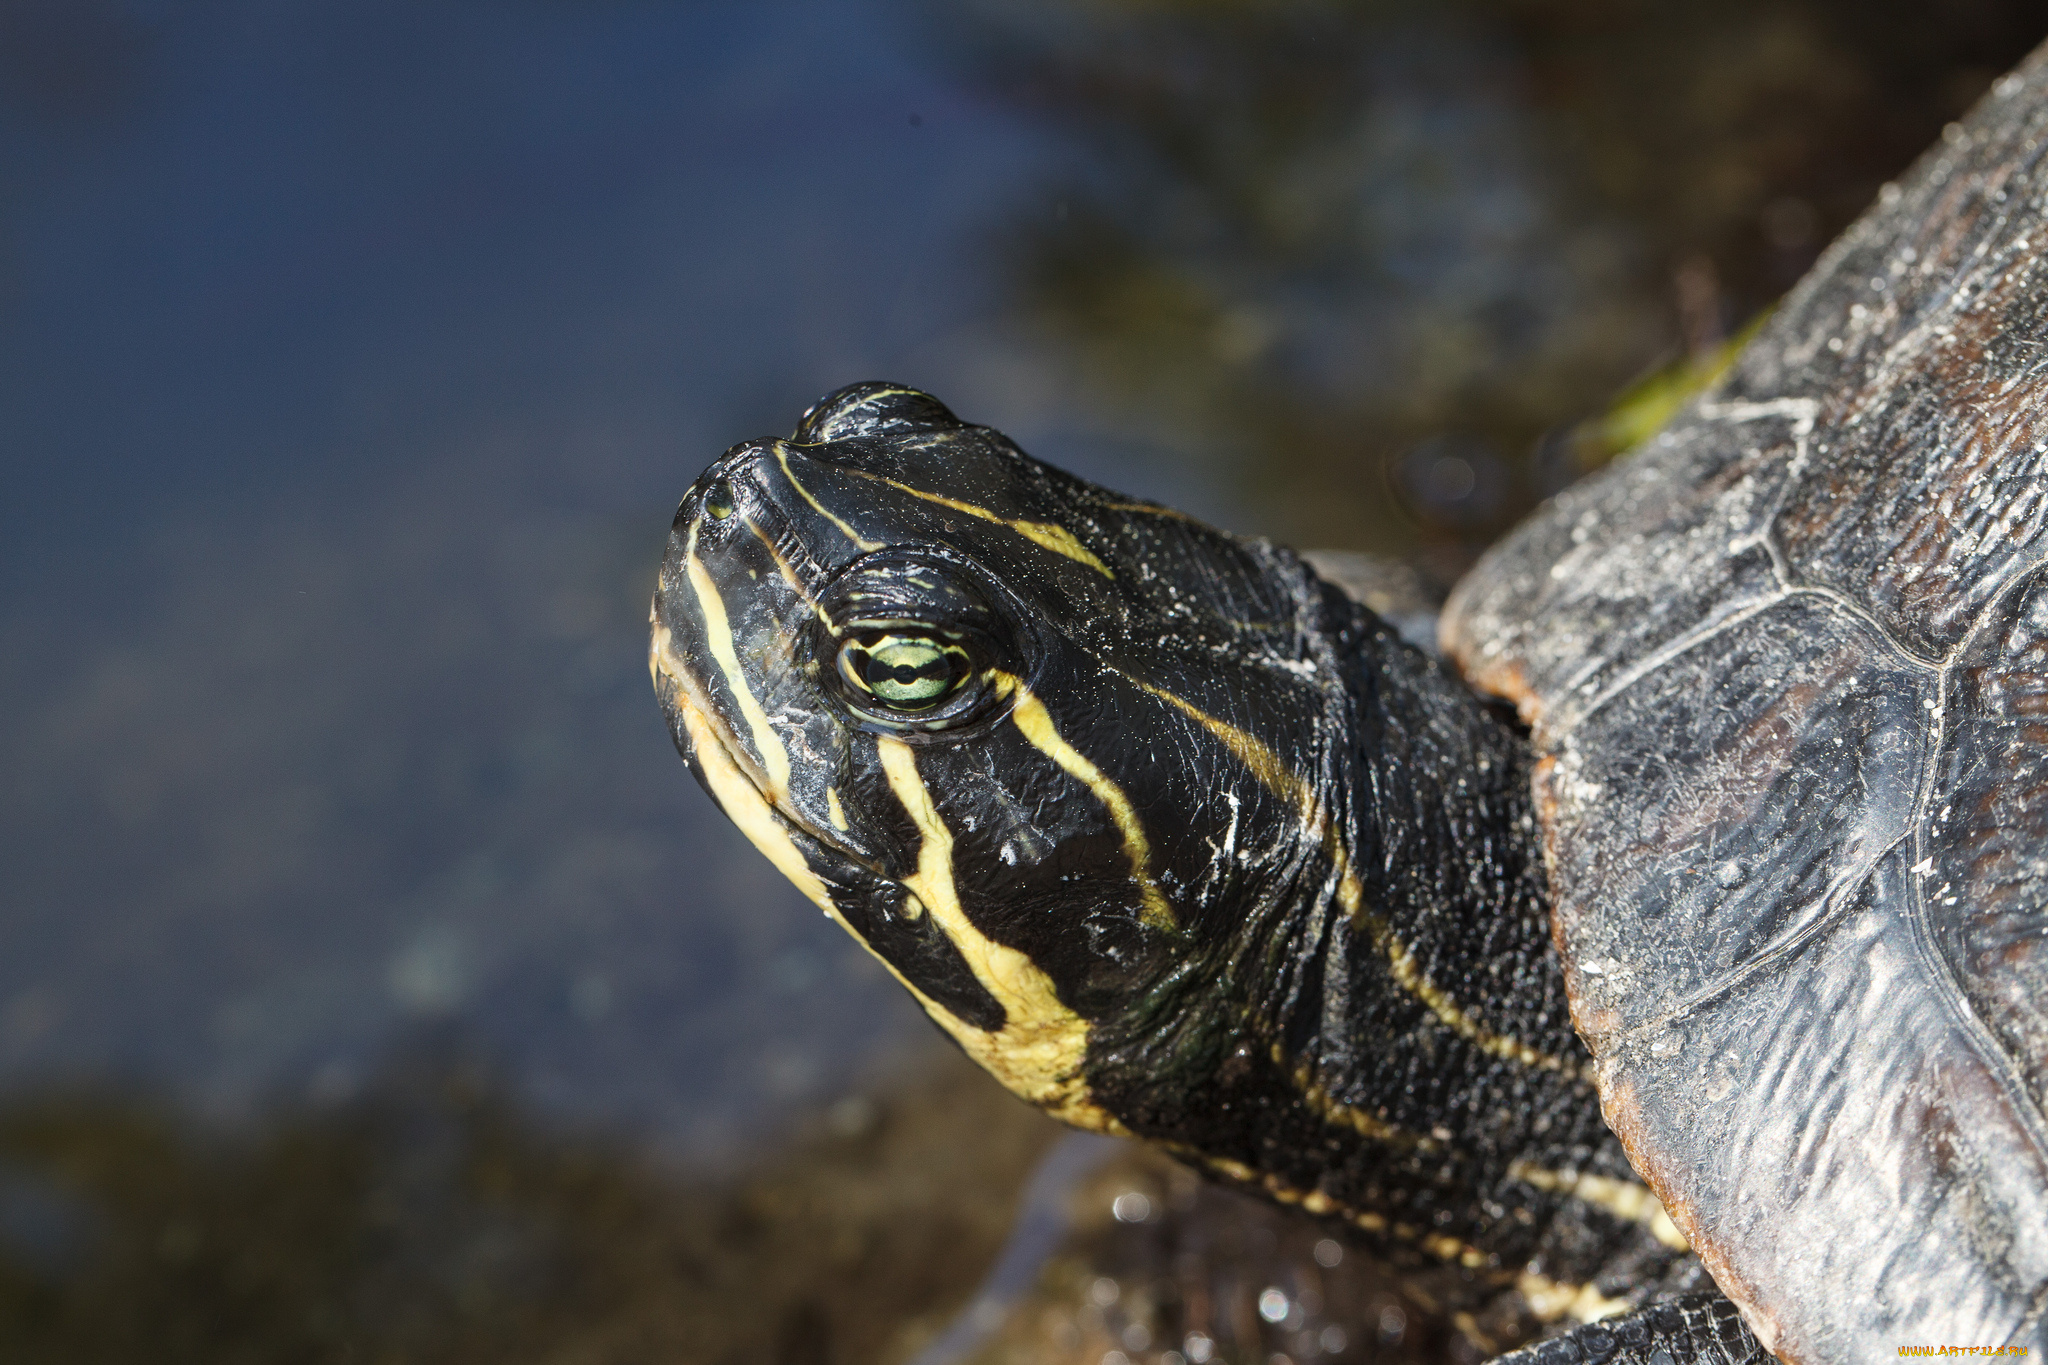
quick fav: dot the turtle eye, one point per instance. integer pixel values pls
(906, 641)
(904, 672)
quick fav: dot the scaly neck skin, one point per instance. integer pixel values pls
(1425, 1051)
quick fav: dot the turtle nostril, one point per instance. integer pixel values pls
(718, 500)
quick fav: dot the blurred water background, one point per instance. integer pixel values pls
(375, 982)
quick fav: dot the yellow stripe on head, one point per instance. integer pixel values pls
(1039, 1050)
(1034, 722)
(748, 809)
(790, 575)
(718, 635)
(1050, 534)
(860, 542)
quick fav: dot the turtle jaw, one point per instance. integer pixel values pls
(1036, 1051)
(733, 778)
(731, 656)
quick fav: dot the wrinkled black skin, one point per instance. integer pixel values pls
(1428, 786)
(1447, 854)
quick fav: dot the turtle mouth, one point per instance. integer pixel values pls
(704, 726)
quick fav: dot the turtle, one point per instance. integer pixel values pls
(1661, 968)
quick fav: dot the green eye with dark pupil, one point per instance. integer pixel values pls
(905, 672)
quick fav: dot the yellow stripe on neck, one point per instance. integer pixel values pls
(1550, 1300)
(1625, 1199)
(1289, 786)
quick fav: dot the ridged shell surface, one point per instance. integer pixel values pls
(1786, 669)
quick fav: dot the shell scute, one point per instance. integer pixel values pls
(1786, 669)
(1751, 818)
(1987, 840)
(1692, 558)
(1876, 1190)
(1943, 497)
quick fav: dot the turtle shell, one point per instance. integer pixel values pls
(1786, 671)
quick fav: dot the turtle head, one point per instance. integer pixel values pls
(1018, 734)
